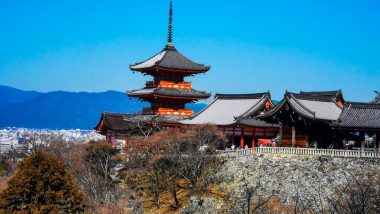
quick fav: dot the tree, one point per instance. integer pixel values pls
(100, 157)
(138, 125)
(358, 193)
(41, 185)
(166, 177)
(93, 167)
(98, 164)
(196, 165)
(5, 166)
(173, 159)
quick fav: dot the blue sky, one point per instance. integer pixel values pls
(252, 46)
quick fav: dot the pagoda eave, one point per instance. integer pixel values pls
(156, 96)
(157, 70)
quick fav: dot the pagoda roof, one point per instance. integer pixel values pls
(359, 116)
(311, 105)
(119, 122)
(226, 108)
(172, 60)
(169, 93)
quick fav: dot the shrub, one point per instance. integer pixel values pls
(41, 185)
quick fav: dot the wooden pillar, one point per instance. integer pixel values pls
(233, 135)
(242, 138)
(280, 137)
(126, 141)
(293, 136)
(377, 140)
(253, 138)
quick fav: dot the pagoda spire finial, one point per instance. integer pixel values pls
(170, 28)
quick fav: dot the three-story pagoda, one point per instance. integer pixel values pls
(168, 93)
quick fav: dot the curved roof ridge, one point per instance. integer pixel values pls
(363, 104)
(336, 92)
(242, 96)
(170, 58)
(166, 49)
(172, 48)
(345, 112)
(254, 107)
(141, 62)
(337, 104)
(274, 109)
(300, 104)
(324, 96)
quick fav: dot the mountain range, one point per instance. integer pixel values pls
(62, 109)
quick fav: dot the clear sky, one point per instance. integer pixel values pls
(252, 46)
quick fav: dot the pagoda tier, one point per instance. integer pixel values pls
(187, 95)
(168, 112)
(169, 63)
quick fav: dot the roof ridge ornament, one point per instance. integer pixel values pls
(170, 27)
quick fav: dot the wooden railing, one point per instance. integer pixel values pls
(168, 111)
(168, 84)
(299, 151)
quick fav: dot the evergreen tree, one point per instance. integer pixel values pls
(41, 185)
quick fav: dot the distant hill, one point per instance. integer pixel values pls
(63, 110)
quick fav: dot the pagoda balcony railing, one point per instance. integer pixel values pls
(168, 111)
(168, 84)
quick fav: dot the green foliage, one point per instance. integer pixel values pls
(41, 185)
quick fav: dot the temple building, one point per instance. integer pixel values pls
(230, 112)
(323, 119)
(358, 119)
(304, 116)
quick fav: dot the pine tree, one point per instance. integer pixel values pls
(41, 185)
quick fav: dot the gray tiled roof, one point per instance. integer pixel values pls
(175, 92)
(254, 122)
(311, 105)
(318, 95)
(122, 122)
(170, 58)
(226, 108)
(360, 115)
(242, 96)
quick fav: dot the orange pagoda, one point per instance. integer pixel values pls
(168, 93)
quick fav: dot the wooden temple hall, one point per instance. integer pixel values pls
(305, 119)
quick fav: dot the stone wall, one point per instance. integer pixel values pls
(302, 183)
